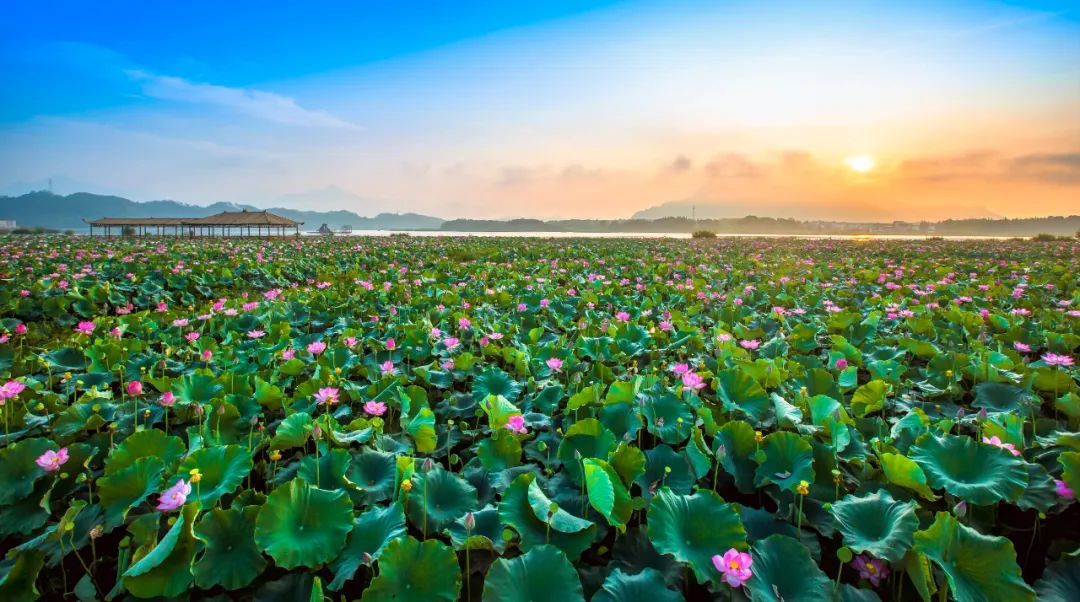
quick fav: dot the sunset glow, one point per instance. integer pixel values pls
(860, 163)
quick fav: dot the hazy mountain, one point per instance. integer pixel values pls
(331, 196)
(715, 209)
(49, 210)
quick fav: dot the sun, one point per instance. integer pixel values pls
(860, 163)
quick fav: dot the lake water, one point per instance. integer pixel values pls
(677, 235)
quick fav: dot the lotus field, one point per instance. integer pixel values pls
(525, 419)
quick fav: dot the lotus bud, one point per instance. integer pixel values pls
(981, 416)
(367, 559)
(470, 521)
(960, 414)
(199, 410)
(429, 464)
(221, 410)
(317, 432)
(960, 509)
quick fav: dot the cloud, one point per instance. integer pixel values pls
(732, 165)
(268, 106)
(1053, 168)
(681, 163)
(1058, 168)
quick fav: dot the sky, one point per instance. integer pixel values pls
(815, 110)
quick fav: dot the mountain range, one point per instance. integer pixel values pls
(59, 212)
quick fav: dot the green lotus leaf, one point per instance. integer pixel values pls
(784, 570)
(150, 443)
(694, 528)
(421, 428)
(559, 520)
(230, 558)
(499, 452)
(370, 534)
(590, 439)
(1070, 462)
(166, 570)
(740, 392)
(293, 431)
(374, 472)
(869, 398)
(18, 575)
(646, 585)
(1060, 582)
(978, 567)
(628, 461)
(877, 524)
(1000, 397)
(486, 532)
(197, 388)
(665, 467)
(411, 571)
(516, 512)
(494, 381)
(330, 472)
(850, 593)
(543, 574)
(1041, 491)
(903, 471)
(978, 473)
(735, 446)
(126, 488)
(607, 493)
(222, 468)
(301, 525)
(18, 470)
(668, 417)
(788, 460)
(438, 498)
(70, 360)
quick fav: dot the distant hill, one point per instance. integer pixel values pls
(59, 212)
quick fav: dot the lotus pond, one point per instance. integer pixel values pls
(527, 419)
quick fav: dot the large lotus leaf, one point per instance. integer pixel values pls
(374, 472)
(18, 575)
(559, 519)
(589, 438)
(486, 532)
(978, 473)
(231, 558)
(328, 470)
(411, 571)
(735, 446)
(665, 467)
(516, 512)
(543, 574)
(784, 570)
(628, 462)
(223, 468)
(1060, 582)
(788, 460)
(18, 470)
(739, 391)
(301, 525)
(166, 570)
(1041, 491)
(668, 417)
(370, 534)
(494, 381)
(978, 567)
(1000, 397)
(694, 528)
(869, 398)
(607, 493)
(197, 388)
(903, 471)
(129, 487)
(646, 585)
(421, 428)
(438, 498)
(150, 443)
(500, 451)
(293, 431)
(877, 524)
(68, 360)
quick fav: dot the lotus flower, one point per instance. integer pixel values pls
(1063, 489)
(516, 424)
(692, 380)
(734, 566)
(375, 408)
(1053, 359)
(134, 388)
(11, 390)
(997, 442)
(167, 399)
(86, 328)
(871, 569)
(173, 497)
(555, 364)
(51, 460)
(316, 348)
(326, 395)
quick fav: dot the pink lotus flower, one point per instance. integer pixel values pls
(622, 316)
(86, 328)
(133, 388)
(375, 408)
(1021, 347)
(1053, 359)
(665, 325)
(680, 369)
(173, 497)
(871, 569)
(207, 355)
(255, 334)
(326, 395)
(391, 344)
(749, 344)
(997, 442)
(464, 323)
(288, 354)
(1063, 489)
(387, 367)
(11, 390)
(516, 424)
(734, 566)
(555, 364)
(192, 336)
(841, 364)
(167, 399)
(20, 329)
(316, 348)
(451, 342)
(51, 460)
(448, 364)
(692, 380)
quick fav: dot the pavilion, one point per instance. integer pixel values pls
(226, 223)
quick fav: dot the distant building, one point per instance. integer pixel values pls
(7, 225)
(325, 230)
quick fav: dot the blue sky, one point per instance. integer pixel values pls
(553, 109)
